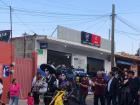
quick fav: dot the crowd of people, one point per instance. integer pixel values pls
(116, 88)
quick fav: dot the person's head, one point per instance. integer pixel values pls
(131, 74)
(38, 75)
(111, 74)
(30, 94)
(1, 81)
(126, 73)
(84, 77)
(63, 76)
(14, 81)
(99, 74)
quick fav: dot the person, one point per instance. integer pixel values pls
(30, 99)
(84, 84)
(52, 84)
(99, 85)
(1, 91)
(133, 84)
(63, 82)
(123, 99)
(14, 92)
(111, 88)
(36, 83)
(1, 88)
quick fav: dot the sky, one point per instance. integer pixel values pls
(93, 16)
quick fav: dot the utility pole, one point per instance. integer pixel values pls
(24, 55)
(112, 36)
(11, 27)
(109, 34)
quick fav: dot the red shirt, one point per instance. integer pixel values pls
(83, 89)
(99, 89)
(30, 100)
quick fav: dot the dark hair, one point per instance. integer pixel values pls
(131, 72)
(29, 94)
(112, 73)
(13, 80)
(1, 81)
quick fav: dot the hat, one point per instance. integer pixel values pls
(50, 69)
(43, 67)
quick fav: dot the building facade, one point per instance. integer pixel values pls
(71, 48)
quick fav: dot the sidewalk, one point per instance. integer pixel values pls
(89, 101)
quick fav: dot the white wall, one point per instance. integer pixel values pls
(79, 61)
(107, 66)
(42, 58)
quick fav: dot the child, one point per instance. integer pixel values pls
(30, 99)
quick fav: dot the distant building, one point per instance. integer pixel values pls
(71, 47)
(125, 60)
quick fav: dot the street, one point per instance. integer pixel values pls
(89, 101)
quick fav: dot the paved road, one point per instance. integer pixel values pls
(89, 101)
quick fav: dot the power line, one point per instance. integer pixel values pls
(4, 3)
(136, 39)
(134, 34)
(24, 24)
(127, 24)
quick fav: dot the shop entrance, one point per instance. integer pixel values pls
(94, 65)
(59, 58)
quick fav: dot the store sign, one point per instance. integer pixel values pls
(6, 71)
(86, 38)
(40, 52)
(5, 35)
(90, 39)
(43, 45)
(96, 40)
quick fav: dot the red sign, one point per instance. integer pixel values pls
(96, 40)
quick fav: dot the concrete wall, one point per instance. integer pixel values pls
(107, 66)
(79, 61)
(19, 46)
(75, 36)
(69, 34)
(80, 54)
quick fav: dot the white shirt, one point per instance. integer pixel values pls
(109, 83)
(1, 88)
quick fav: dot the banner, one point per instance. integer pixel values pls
(6, 71)
(96, 40)
(90, 39)
(5, 35)
(43, 45)
(86, 38)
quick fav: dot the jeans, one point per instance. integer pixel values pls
(83, 99)
(111, 99)
(102, 99)
(13, 100)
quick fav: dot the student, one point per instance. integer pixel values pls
(14, 92)
(30, 99)
(84, 84)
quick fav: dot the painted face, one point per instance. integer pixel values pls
(63, 76)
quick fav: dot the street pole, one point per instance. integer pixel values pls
(11, 27)
(24, 55)
(109, 35)
(112, 36)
